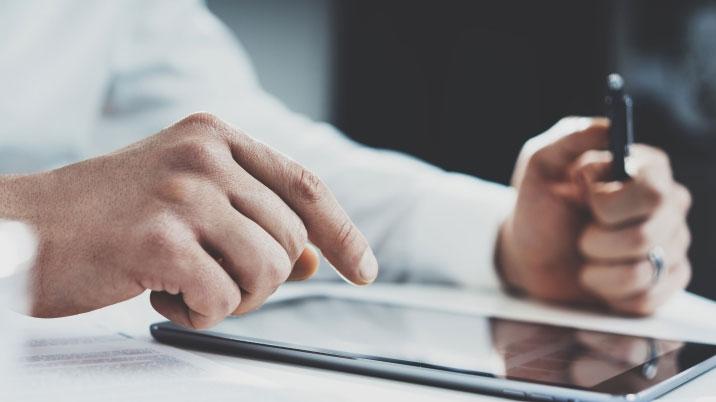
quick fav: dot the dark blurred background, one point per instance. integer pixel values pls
(463, 83)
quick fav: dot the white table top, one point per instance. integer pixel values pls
(686, 317)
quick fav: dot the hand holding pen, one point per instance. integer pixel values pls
(588, 228)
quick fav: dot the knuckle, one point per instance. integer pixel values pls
(177, 189)
(309, 186)
(160, 239)
(198, 154)
(273, 271)
(221, 300)
(201, 120)
(276, 272)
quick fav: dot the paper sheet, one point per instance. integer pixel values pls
(85, 363)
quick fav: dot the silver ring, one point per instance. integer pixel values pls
(656, 258)
(651, 368)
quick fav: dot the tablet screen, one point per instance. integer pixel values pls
(460, 342)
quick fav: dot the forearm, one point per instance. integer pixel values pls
(454, 231)
(19, 197)
(505, 264)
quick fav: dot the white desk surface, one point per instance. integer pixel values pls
(686, 317)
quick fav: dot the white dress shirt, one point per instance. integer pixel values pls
(81, 78)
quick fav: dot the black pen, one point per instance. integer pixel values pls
(621, 129)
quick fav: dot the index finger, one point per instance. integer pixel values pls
(328, 225)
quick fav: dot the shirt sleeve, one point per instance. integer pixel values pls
(18, 246)
(424, 224)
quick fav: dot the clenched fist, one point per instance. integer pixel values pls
(577, 236)
(209, 219)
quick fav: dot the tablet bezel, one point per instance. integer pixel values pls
(423, 373)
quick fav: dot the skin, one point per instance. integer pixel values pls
(208, 219)
(212, 222)
(577, 237)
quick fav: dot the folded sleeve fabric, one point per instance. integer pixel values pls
(424, 224)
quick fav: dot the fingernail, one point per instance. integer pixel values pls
(368, 267)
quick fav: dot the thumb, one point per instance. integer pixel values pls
(555, 150)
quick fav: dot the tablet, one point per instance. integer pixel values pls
(468, 352)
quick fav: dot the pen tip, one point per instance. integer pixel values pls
(615, 82)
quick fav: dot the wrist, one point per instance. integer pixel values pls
(506, 261)
(20, 196)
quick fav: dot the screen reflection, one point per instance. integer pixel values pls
(461, 342)
(568, 356)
